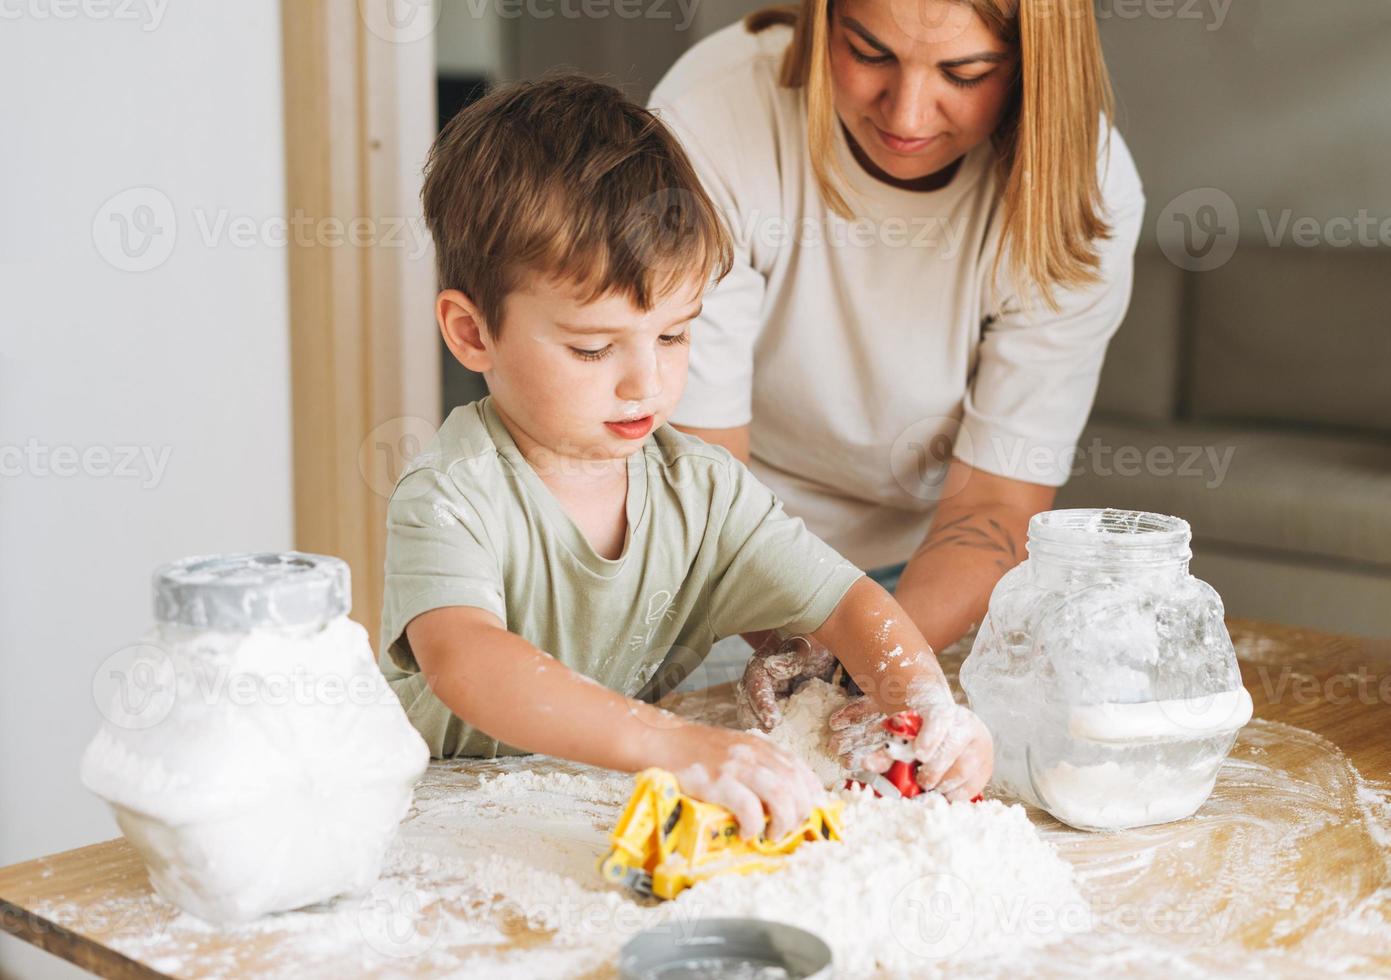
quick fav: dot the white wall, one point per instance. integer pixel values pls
(188, 359)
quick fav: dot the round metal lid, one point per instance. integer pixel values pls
(721, 948)
(239, 592)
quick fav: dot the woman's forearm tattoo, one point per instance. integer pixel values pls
(969, 531)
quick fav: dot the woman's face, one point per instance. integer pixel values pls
(918, 83)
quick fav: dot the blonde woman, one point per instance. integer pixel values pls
(935, 226)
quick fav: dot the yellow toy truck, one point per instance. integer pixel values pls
(665, 841)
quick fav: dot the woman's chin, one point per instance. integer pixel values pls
(906, 169)
(904, 166)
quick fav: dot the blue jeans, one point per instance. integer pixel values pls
(888, 576)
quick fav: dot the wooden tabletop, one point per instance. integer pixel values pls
(1286, 871)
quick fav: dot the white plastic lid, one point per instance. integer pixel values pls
(1158, 721)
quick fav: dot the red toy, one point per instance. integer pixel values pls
(901, 778)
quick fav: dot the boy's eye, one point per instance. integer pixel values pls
(592, 355)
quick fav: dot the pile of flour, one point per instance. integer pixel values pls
(803, 730)
(914, 888)
(498, 879)
(914, 885)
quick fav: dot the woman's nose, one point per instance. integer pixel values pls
(910, 106)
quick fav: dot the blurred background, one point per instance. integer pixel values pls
(1248, 391)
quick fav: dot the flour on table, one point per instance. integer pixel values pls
(496, 877)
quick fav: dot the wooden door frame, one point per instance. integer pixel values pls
(364, 352)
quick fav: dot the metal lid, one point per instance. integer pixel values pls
(722, 948)
(239, 592)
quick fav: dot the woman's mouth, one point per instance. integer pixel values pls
(632, 428)
(898, 144)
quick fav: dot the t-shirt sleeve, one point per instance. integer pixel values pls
(437, 554)
(719, 388)
(770, 571)
(1038, 370)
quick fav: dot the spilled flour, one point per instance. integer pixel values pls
(913, 888)
(496, 877)
(1284, 872)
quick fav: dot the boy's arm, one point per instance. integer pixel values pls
(503, 685)
(498, 682)
(893, 664)
(881, 649)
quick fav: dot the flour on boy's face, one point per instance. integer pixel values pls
(588, 382)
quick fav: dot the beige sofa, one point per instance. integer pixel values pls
(1255, 401)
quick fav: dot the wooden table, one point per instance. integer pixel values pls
(1286, 871)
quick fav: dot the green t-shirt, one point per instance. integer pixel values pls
(709, 553)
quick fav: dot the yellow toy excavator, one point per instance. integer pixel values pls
(666, 841)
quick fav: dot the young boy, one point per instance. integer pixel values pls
(559, 543)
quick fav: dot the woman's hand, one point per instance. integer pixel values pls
(771, 675)
(742, 773)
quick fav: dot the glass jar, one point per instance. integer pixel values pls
(252, 751)
(1105, 672)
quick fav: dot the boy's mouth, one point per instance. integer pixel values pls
(632, 428)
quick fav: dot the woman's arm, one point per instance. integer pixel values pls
(977, 535)
(736, 440)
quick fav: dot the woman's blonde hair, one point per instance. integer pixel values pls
(1046, 142)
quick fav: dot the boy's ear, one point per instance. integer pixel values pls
(461, 325)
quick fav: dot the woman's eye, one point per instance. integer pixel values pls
(591, 355)
(961, 82)
(866, 58)
(675, 339)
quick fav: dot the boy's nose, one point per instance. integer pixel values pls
(641, 381)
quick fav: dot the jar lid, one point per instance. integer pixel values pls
(725, 948)
(240, 592)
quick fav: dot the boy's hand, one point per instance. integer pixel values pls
(954, 747)
(743, 773)
(771, 674)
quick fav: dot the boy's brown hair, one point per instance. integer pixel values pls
(565, 178)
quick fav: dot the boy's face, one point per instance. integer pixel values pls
(589, 381)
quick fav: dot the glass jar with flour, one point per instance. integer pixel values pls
(1105, 672)
(251, 750)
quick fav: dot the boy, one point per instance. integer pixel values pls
(558, 543)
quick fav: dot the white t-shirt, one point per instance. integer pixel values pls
(866, 353)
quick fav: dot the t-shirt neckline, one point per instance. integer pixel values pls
(556, 516)
(867, 189)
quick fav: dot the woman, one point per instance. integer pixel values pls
(935, 225)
